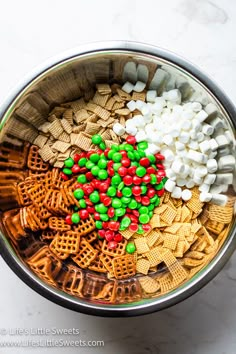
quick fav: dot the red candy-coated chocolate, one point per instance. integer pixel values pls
(110, 164)
(75, 169)
(122, 171)
(137, 180)
(145, 200)
(131, 140)
(64, 176)
(160, 192)
(111, 172)
(88, 201)
(135, 212)
(151, 192)
(123, 153)
(136, 190)
(101, 233)
(111, 212)
(125, 162)
(159, 179)
(138, 198)
(160, 166)
(128, 210)
(109, 235)
(68, 220)
(112, 245)
(119, 194)
(159, 157)
(118, 237)
(83, 170)
(161, 173)
(90, 152)
(83, 154)
(106, 152)
(107, 201)
(133, 227)
(105, 224)
(128, 180)
(151, 170)
(76, 158)
(144, 161)
(96, 216)
(146, 179)
(91, 209)
(88, 189)
(133, 218)
(114, 225)
(146, 227)
(84, 214)
(132, 170)
(103, 187)
(89, 176)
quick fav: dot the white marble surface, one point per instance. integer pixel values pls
(202, 31)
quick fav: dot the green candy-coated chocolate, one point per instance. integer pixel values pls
(89, 164)
(153, 199)
(164, 180)
(95, 170)
(120, 186)
(82, 203)
(78, 193)
(144, 218)
(116, 166)
(136, 155)
(157, 202)
(98, 224)
(102, 163)
(130, 248)
(82, 162)
(143, 189)
(94, 197)
(117, 157)
(135, 163)
(102, 174)
(115, 147)
(111, 192)
(140, 171)
(94, 158)
(126, 221)
(151, 207)
(150, 214)
(133, 204)
(130, 155)
(102, 145)
(127, 192)
(143, 210)
(153, 179)
(104, 217)
(76, 208)
(101, 208)
(116, 203)
(128, 147)
(75, 218)
(119, 212)
(143, 145)
(125, 200)
(67, 171)
(151, 158)
(96, 139)
(140, 230)
(110, 154)
(116, 180)
(82, 179)
(69, 162)
(160, 186)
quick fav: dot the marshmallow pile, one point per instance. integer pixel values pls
(196, 142)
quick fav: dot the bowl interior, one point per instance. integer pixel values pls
(66, 81)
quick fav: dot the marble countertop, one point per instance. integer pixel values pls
(199, 30)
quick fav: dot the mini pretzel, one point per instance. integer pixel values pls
(34, 161)
(67, 242)
(124, 267)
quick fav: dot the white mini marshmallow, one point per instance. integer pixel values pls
(205, 197)
(214, 145)
(222, 140)
(226, 163)
(204, 187)
(201, 116)
(169, 185)
(207, 129)
(193, 145)
(190, 184)
(186, 195)
(180, 182)
(224, 178)
(179, 146)
(177, 193)
(217, 123)
(131, 105)
(168, 139)
(196, 106)
(211, 109)
(195, 156)
(219, 199)
(170, 174)
(132, 130)
(200, 137)
(128, 87)
(205, 147)
(210, 178)
(141, 136)
(201, 171)
(118, 129)
(212, 165)
(139, 86)
(151, 95)
(184, 137)
(177, 167)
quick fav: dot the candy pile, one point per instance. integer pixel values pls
(119, 186)
(195, 142)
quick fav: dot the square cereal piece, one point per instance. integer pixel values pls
(180, 249)
(195, 204)
(103, 89)
(160, 209)
(66, 126)
(81, 116)
(67, 117)
(124, 267)
(141, 245)
(154, 256)
(102, 112)
(173, 229)
(142, 266)
(170, 241)
(178, 272)
(56, 128)
(152, 237)
(100, 99)
(155, 221)
(67, 242)
(168, 258)
(127, 234)
(46, 153)
(40, 141)
(168, 215)
(60, 146)
(86, 255)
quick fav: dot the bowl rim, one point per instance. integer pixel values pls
(154, 304)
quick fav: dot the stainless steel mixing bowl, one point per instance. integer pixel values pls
(68, 76)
